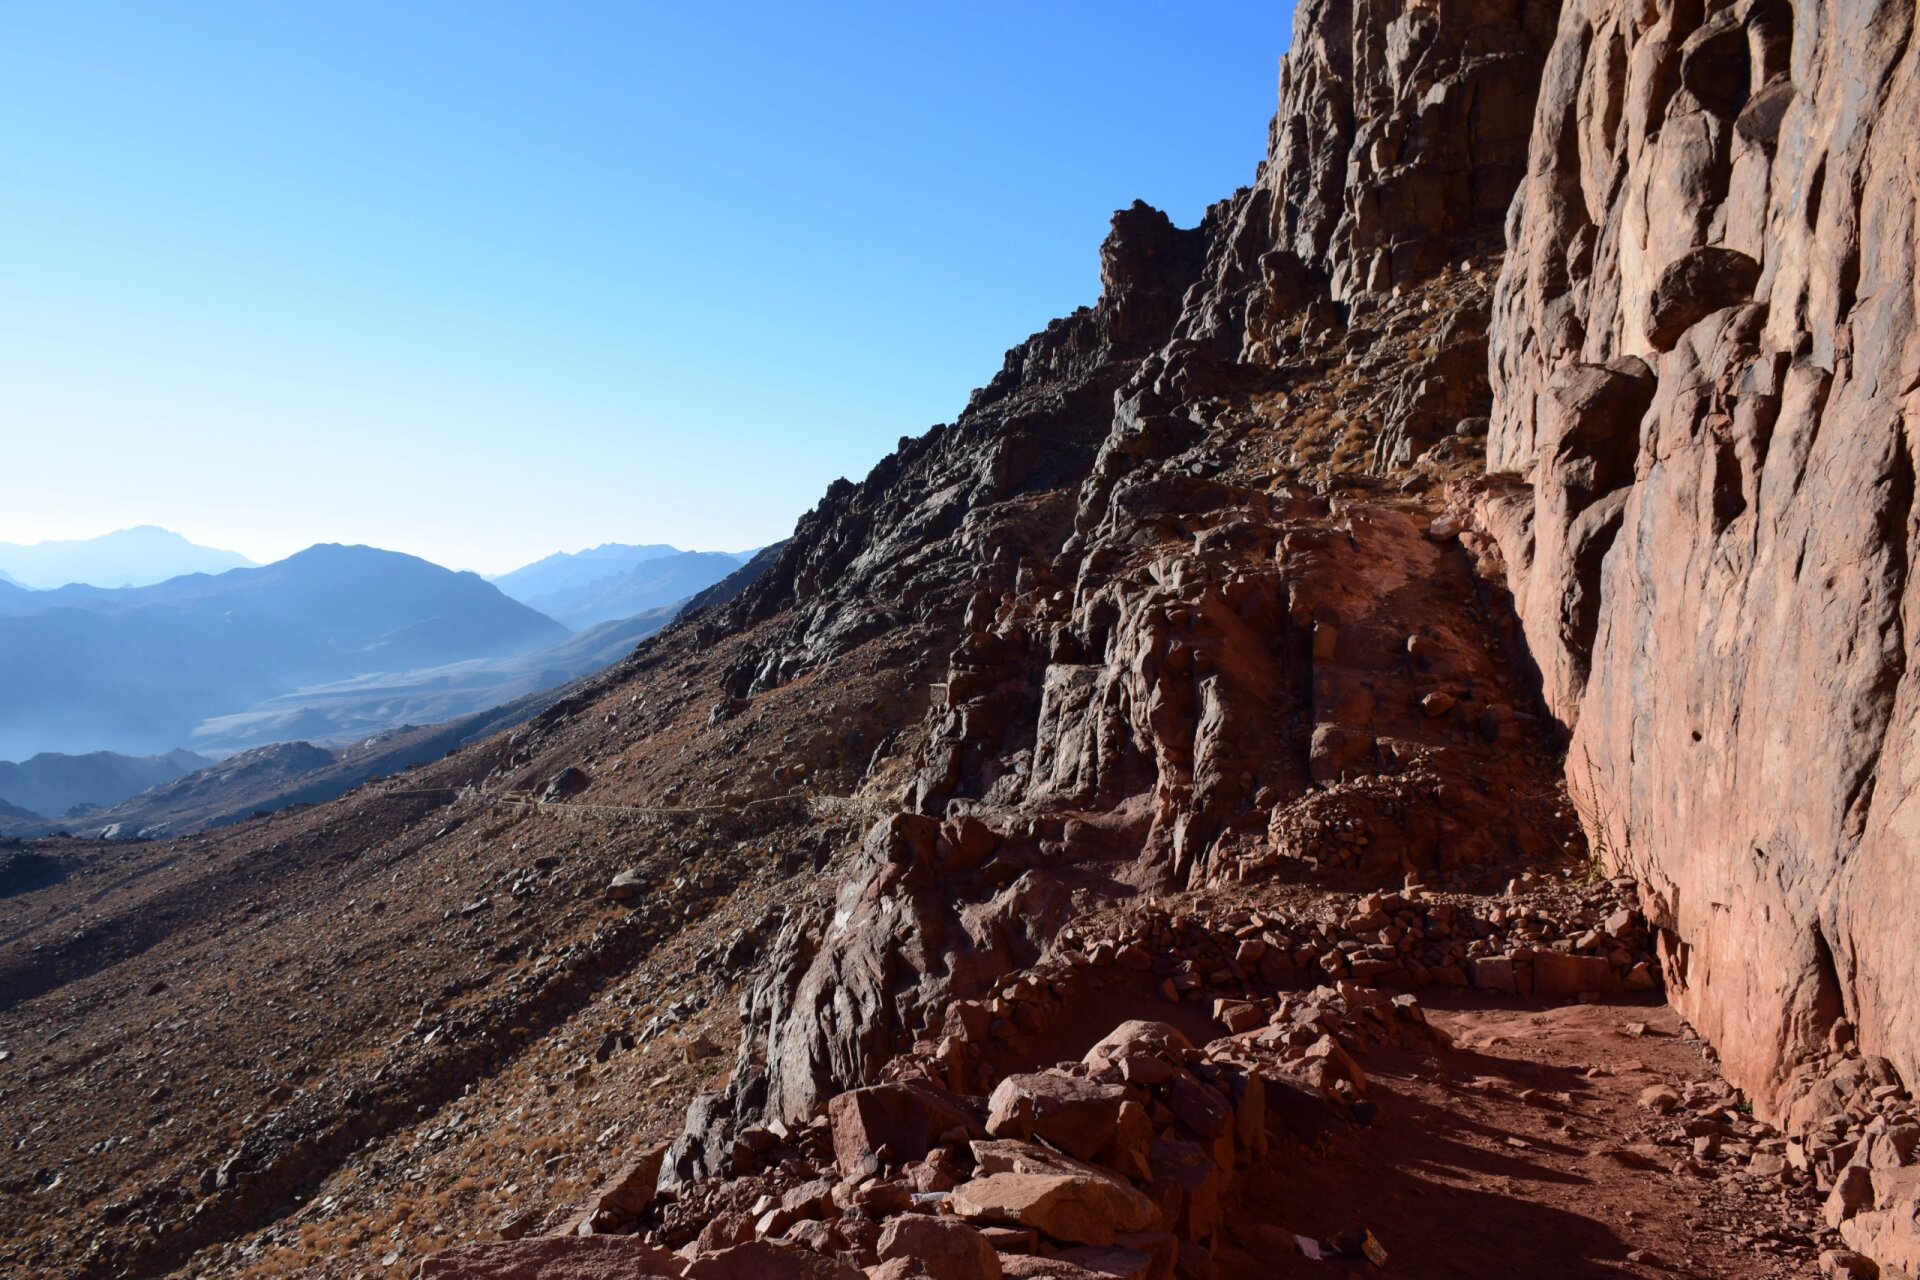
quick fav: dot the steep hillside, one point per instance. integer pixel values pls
(1133, 830)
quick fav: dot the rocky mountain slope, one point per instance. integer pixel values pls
(1134, 831)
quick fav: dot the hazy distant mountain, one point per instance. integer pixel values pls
(272, 777)
(358, 721)
(134, 557)
(8, 580)
(138, 670)
(13, 817)
(651, 584)
(568, 570)
(348, 711)
(51, 784)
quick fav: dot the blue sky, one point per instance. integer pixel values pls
(481, 281)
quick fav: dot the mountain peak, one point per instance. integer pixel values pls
(569, 571)
(136, 556)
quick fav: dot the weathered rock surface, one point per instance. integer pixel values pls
(944, 1248)
(898, 1122)
(1704, 352)
(1168, 668)
(1083, 1208)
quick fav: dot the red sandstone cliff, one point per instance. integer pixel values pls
(1705, 354)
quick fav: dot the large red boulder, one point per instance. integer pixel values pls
(894, 1122)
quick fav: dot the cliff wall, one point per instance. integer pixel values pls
(1704, 363)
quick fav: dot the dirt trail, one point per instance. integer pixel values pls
(1525, 1152)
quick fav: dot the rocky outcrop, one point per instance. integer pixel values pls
(1698, 484)
(1699, 488)
(1401, 134)
(1167, 666)
(1705, 356)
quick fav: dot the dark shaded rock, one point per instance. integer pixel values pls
(570, 781)
(1693, 287)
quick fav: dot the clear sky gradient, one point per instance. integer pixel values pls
(481, 281)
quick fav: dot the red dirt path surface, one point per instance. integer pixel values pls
(1494, 1161)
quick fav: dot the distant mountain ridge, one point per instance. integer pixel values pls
(567, 570)
(139, 669)
(347, 711)
(52, 784)
(654, 583)
(136, 557)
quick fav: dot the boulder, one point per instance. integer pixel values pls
(945, 1248)
(1001, 1155)
(1334, 750)
(1596, 413)
(1142, 1039)
(1117, 1261)
(1328, 1062)
(631, 1188)
(904, 1120)
(1019, 1267)
(1845, 1264)
(1071, 1208)
(1852, 1191)
(1889, 1231)
(1079, 1116)
(1556, 974)
(1239, 1015)
(898, 1269)
(765, 1260)
(1204, 1112)
(570, 781)
(1187, 1186)
(1491, 973)
(1695, 285)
